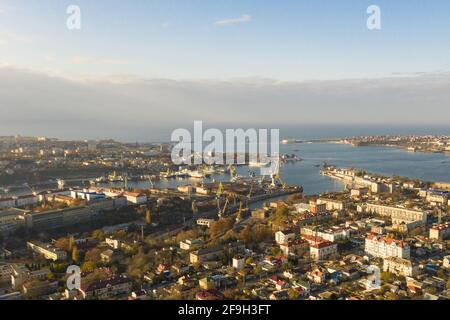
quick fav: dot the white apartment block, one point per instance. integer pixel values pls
(136, 198)
(332, 234)
(332, 204)
(322, 250)
(205, 222)
(446, 262)
(397, 214)
(399, 266)
(284, 236)
(47, 251)
(440, 232)
(238, 262)
(379, 246)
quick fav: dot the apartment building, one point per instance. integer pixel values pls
(294, 246)
(284, 236)
(435, 196)
(440, 232)
(47, 251)
(203, 255)
(399, 266)
(398, 215)
(317, 208)
(135, 197)
(188, 244)
(26, 200)
(104, 289)
(205, 222)
(7, 202)
(332, 234)
(11, 219)
(332, 204)
(322, 250)
(383, 247)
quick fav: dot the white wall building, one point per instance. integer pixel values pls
(136, 198)
(399, 266)
(284, 236)
(379, 246)
(238, 262)
(322, 250)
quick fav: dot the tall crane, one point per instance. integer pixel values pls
(233, 173)
(224, 209)
(239, 215)
(275, 176)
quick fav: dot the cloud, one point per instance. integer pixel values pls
(234, 21)
(8, 37)
(98, 61)
(130, 107)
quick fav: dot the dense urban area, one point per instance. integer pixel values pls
(65, 203)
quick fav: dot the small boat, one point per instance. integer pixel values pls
(196, 174)
(253, 164)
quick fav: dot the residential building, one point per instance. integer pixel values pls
(135, 197)
(7, 202)
(284, 236)
(399, 216)
(189, 244)
(104, 289)
(26, 200)
(40, 288)
(239, 262)
(446, 262)
(384, 247)
(322, 250)
(332, 234)
(399, 266)
(47, 251)
(204, 254)
(11, 219)
(358, 192)
(440, 232)
(317, 208)
(332, 204)
(207, 283)
(205, 222)
(294, 246)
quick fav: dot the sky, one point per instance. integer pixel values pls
(138, 66)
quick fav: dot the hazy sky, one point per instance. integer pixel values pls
(136, 66)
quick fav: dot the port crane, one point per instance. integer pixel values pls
(233, 173)
(224, 209)
(152, 185)
(239, 215)
(275, 176)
